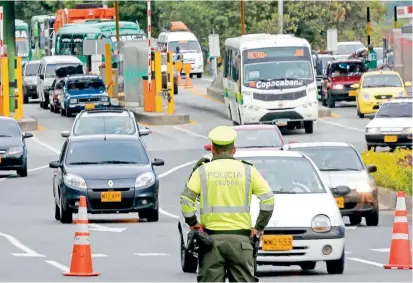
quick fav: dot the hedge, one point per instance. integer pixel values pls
(394, 169)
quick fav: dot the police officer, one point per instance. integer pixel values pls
(371, 61)
(225, 186)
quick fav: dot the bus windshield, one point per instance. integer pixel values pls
(22, 43)
(277, 67)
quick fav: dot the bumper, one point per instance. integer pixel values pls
(30, 91)
(74, 108)
(370, 107)
(360, 204)
(132, 200)
(279, 116)
(381, 140)
(307, 246)
(341, 95)
(11, 162)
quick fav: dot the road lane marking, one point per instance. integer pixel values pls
(347, 252)
(151, 254)
(101, 228)
(365, 261)
(176, 168)
(28, 252)
(166, 213)
(30, 170)
(350, 227)
(58, 265)
(334, 115)
(342, 126)
(189, 132)
(383, 250)
(46, 145)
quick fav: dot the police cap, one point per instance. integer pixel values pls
(222, 135)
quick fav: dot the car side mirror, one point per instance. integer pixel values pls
(355, 86)
(371, 168)
(27, 135)
(54, 164)
(407, 84)
(144, 131)
(340, 190)
(208, 147)
(65, 134)
(158, 162)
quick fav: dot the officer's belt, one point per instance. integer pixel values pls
(242, 232)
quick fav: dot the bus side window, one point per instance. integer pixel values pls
(235, 68)
(230, 65)
(226, 64)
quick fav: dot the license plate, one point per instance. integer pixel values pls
(281, 122)
(277, 243)
(390, 139)
(340, 202)
(111, 196)
(90, 106)
(352, 92)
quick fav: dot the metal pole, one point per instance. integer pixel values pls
(149, 47)
(117, 20)
(280, 16)
(368, 26)
(242, 17)
(395, 25)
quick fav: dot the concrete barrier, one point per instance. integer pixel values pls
(28, 124)
(160, 119)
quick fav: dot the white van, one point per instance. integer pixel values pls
(46, 74)
(189, 48)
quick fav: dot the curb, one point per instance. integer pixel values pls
(28, 124)
(161, 119)
(388, 199)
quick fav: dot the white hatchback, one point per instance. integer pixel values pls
(306, 226)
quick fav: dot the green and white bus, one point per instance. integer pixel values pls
(37, 30)
(270, 79)
(22, 36)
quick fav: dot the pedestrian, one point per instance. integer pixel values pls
(224, 187)
(371, 61)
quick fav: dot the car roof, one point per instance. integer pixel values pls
(61, 59)
(318, 144)
(346, 61)
(265, 153)
(33, 62)
(104, 137)
(84, 76)
(381, 73)
(105, 112)
(255, 127)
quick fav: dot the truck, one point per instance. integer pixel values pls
(22, 35)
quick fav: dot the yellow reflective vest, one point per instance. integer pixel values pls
(224, 187)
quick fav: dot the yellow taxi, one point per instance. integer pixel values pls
(375, 88)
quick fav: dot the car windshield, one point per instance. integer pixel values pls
(22, 47)
(395, 110)
(9, 128)
(98, 125)
(344, 49)
(83, 85)
(258, 138)
(184, 46)
(31, 69)
(347, 69)
(281, 174)
(50, 69)
(106, 151)
(382, 80)
(333, 158)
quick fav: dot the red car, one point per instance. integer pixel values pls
(256, 136)
(337, 81)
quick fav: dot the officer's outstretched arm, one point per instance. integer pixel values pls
(262, 190)
(188, 198)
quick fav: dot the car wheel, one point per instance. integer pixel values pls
(330, 102)
(68, 113)
(175, 88)
(191, 76)
(373, 219)
(355, 219)
(56, 211)
(309, 127)
(336, 266)
(189, 263)
(151, 215)
(25, 99)
(66, 217)
(22, 172)
(199, 76)
(361, 115)
(310, 265)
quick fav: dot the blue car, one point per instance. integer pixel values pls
(83, 92)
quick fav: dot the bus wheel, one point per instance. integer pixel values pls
(308, 127)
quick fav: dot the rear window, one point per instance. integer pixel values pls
(382, 80)
(50, 69)
(344, 69)
(344, 49)
(258, 138)
(98, 125)
(89, 85)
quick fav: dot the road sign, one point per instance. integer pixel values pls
(332, 40)
(405, 12)
(214, 50)
(94, 47)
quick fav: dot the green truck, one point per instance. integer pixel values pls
(69, 39)
(22, 36)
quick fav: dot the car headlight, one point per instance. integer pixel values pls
(75, 181)
(73, 101)
(366, 96)
(321, 224)
(401, 94)
(16, 150)
(104, 99)
(372, 130)
(364, 188)
(338, 86)
(145, 180)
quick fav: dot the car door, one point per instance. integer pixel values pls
(58, 174)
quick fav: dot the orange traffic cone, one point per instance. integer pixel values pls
(400, 256)
(81, 264)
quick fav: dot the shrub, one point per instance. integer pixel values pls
(394, 169)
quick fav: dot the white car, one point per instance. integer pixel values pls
(392, 125)
(306, 226)
(347, 48)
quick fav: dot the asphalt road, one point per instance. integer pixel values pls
(34, 247)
